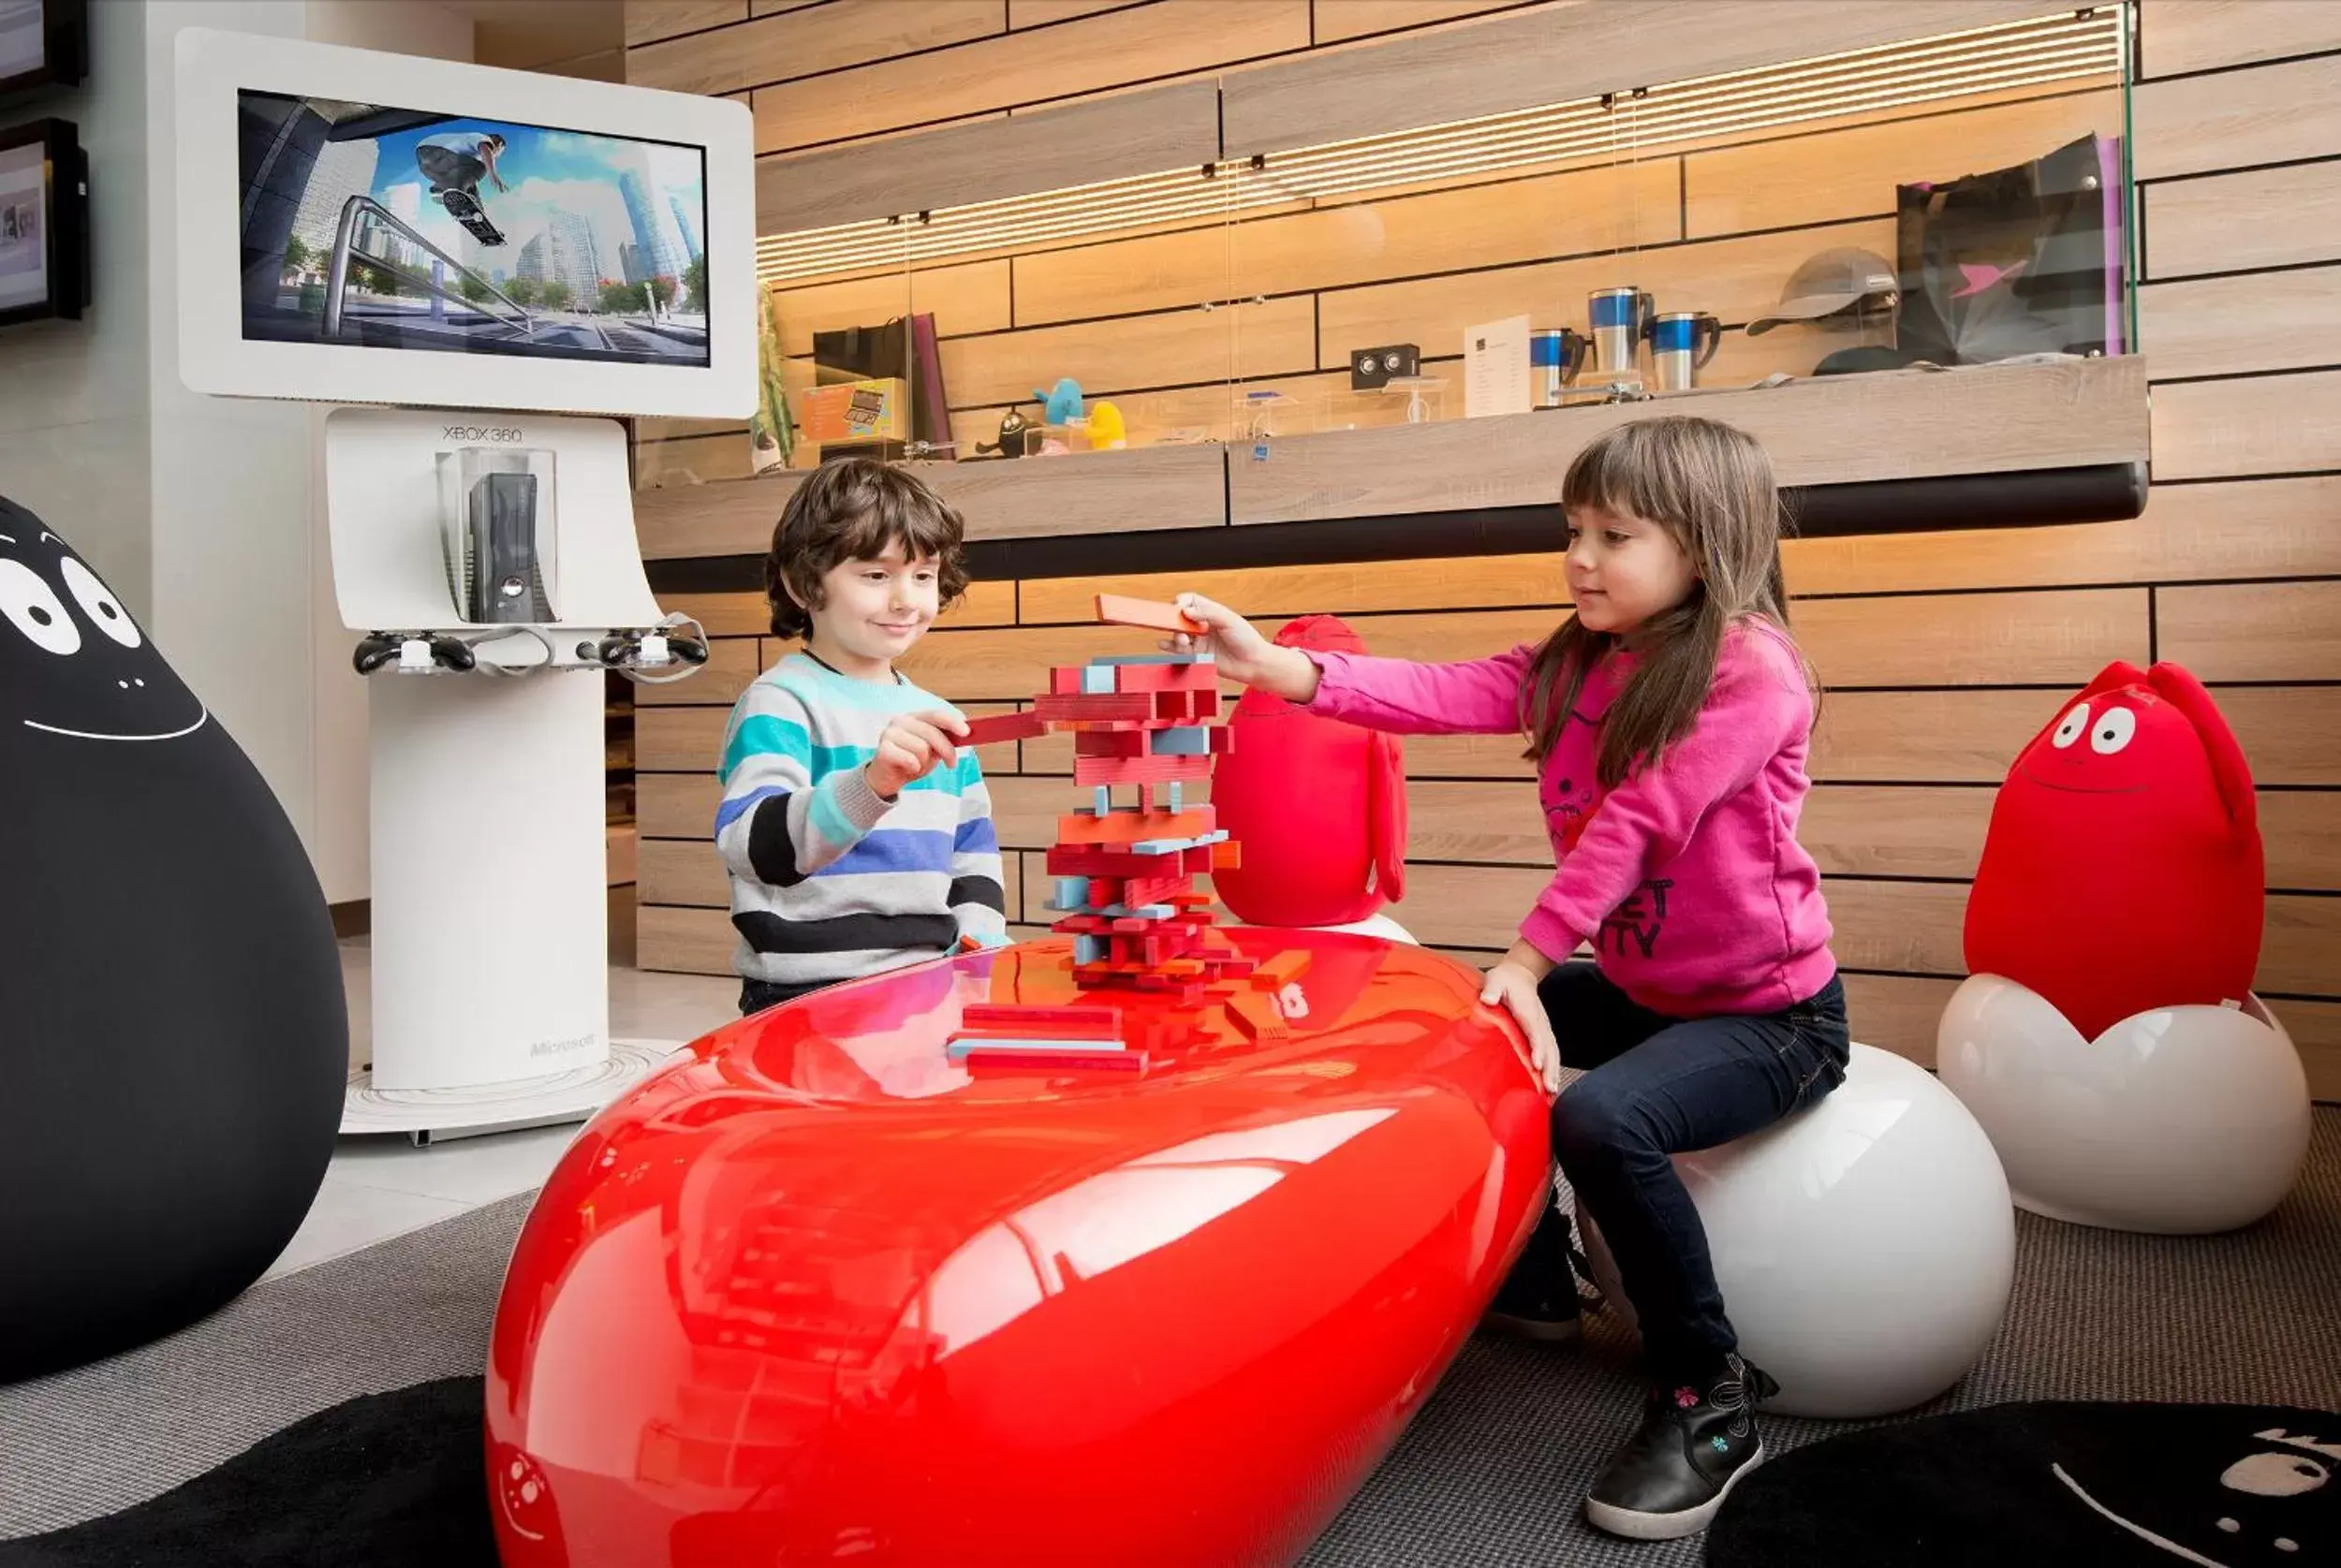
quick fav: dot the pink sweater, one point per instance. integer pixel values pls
(1686, 878)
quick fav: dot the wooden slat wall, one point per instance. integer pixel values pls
(2237, 146)
(1942, 653)
(1716, 229)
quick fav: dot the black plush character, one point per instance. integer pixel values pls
(173, 1039)
(2113, 1485)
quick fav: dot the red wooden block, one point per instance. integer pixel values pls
(1167, 678)
(1005, 726)
(1107, 861)
(1008, 1060)
(1116, 609)
(1090, 1022)
(1110, 742)
(1125, 708)
(1090, 771)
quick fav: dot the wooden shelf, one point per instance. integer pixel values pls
(1832, 430)
(1838, 430)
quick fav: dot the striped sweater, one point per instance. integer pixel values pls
(828, 880)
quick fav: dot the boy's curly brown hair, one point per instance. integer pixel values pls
(850, 509)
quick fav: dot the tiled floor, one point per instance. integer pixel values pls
(380, 1187)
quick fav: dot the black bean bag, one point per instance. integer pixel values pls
(173, 1039)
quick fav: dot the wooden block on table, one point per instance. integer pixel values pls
(1282, 969)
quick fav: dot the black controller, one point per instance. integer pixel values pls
(384, 648)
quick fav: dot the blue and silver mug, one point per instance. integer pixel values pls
(1680, 342)
(1556, 355)
(1618, 315)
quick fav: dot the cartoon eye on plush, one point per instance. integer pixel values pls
(33, 608)
(105, 611)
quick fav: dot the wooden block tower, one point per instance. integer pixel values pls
(1123, 873)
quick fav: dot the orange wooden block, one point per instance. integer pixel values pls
(1281, 970)
(1126, 827)
(1116, 609)
(1257, 1016)
(1227, 855)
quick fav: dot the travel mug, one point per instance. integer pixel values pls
(1681, 341)
(1556, 355)
(1618, 315)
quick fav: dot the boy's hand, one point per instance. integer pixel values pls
(913, 746)
(1244, 656)
(1515, 988)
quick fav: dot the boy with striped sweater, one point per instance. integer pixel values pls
(857, 834)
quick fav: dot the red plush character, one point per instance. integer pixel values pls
(1317, 806)
(2123, 868)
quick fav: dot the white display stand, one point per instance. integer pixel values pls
(489, 964)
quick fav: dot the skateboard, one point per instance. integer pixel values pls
(463, 209)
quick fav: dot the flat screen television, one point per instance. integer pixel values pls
(44, 222)
(42, 43)
(359, 227)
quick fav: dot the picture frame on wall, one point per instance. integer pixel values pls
(43, 43)
(44, 222)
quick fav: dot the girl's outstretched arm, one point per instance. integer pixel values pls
(1475, 697)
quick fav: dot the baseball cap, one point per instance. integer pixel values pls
(1827, 283)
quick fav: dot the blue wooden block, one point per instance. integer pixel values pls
(1165, 846)
(958, 1050)
(1158, 659)
(1176, 806)
(1105, 800)
(1143, 911)
(1072, 894)
(1097, 680)
(1089, 949)
(1183, 740)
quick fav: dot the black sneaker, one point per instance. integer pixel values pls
(1539, 1298)
(1693, 1446)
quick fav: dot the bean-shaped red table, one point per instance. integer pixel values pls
(815, 1293)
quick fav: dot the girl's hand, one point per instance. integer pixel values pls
(1244, 656)
(1515, 988)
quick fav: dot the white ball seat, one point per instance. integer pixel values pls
(1373, 925)
(2178, 1120)
(1864, 1246)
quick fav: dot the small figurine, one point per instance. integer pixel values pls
(1011, 439)
(1062, 404)
(1107, 432)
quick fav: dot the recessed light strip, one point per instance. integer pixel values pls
(2012, 56)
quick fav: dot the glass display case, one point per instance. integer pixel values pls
(1947, 201)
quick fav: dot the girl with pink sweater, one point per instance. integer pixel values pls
(1669, 718)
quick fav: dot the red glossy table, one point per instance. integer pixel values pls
(815, 1293)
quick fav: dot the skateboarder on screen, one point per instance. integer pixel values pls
(455, 163)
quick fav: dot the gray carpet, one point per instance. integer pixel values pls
(1490, 1475)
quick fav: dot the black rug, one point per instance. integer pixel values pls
(2152, 1485)
(387, 1481)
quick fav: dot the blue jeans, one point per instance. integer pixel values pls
(1657, 1085)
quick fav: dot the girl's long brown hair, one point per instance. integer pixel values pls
(1710, 487)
